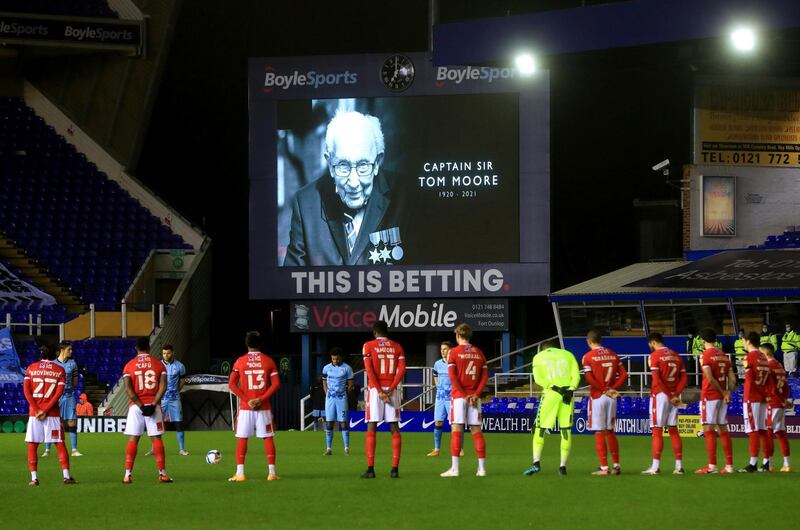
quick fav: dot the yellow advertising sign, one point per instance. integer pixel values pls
(690, 426)
(751, 126)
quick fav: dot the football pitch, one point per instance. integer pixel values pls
(326, 492)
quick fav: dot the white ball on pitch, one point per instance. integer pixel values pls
(213, 457)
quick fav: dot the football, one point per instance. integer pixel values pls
(213, 457)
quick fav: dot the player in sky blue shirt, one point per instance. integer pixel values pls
(171, 402)
(441, 411)
(66, 403)
(337, 379)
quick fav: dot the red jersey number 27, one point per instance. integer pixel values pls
(39, 390)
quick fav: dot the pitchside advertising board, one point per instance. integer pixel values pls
(486, 314)
(633, 425)
(383, 176)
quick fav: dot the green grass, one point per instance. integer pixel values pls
(326, 492)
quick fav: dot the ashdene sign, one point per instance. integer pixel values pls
(490, 314)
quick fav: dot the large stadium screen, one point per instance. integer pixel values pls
(370, 179)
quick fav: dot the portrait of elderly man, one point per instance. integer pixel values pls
(348, 216)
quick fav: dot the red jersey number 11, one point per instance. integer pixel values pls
(383, 359)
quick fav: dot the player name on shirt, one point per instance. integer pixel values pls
(605, 357)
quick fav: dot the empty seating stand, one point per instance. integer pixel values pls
(789, 239)
(80, 225)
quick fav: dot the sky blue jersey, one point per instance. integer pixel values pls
(337, 377)
(175, 370)
(71, 369)
(440, 372)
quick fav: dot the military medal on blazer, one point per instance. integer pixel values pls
(385, 246)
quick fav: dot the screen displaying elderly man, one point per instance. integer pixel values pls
(347, 216)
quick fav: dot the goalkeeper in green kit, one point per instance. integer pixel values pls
(557, 372)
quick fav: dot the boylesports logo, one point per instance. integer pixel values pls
(312, 79)
(459, 74)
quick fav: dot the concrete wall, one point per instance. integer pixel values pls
(767, 201)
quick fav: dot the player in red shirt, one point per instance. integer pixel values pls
(43, 385)
(719, 380)
(754, 404)
(254, 379)
(779, 399)
(605, 373)
(145, 380)
(669, 380)
(385, 365)
(468, 372)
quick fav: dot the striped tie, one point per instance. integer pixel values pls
(350, 230)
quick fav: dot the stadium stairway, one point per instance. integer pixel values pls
(30, 270)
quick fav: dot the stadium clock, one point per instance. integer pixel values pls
(397, 73)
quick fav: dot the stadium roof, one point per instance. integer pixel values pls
(714, 277)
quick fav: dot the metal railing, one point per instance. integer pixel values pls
(635, 364)
(35, 325)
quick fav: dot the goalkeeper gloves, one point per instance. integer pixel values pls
(148, 410)
(566, 393)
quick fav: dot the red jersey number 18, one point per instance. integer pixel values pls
(146, 380)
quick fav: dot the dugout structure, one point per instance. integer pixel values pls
(208, 404)
(726, 291)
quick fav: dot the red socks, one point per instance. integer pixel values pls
(613, 446)
(370, 448)
(480, 444)
(727, 447)
(711, 447)
(753, 444)
(677, 443)
(600, 447)
(158, 451)
(130, 454)
(658, 442)
(770, 447)
(33, 456)
(241, 450)
(63, 455)
(762, 435)
(397, 444)
(269, 447)
(456, 438)
(783, 439)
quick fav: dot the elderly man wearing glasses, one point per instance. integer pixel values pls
(348, 216)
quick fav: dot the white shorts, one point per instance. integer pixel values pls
(378, 411)
(47, 430)
(777, 419)
(602, 413)
(755, 416)
(137, 422)
(256, 423)
(713, 412)
(462, 413)
(662, 412)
